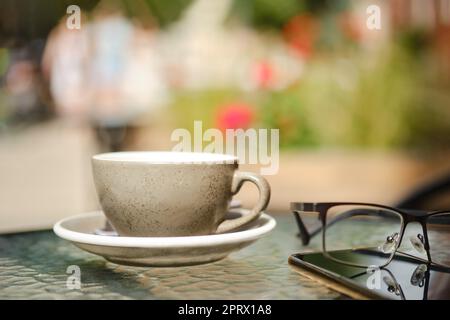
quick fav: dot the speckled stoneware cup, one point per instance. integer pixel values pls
(151, 194)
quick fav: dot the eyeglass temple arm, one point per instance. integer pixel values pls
(306, 235)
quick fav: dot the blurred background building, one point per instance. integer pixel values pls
(364, 115)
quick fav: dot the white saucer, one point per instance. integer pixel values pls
(159, 251)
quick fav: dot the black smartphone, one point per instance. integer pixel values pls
(403, 279)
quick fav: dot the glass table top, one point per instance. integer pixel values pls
(34, 266)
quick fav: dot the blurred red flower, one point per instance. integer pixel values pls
(236, 115)
(300, 33)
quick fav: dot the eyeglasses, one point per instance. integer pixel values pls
(377, 230)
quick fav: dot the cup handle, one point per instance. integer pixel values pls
(264, 196)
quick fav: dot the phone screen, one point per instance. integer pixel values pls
(403, 279)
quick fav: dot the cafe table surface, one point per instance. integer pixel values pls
(36, 265)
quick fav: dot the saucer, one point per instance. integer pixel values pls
(160, 251)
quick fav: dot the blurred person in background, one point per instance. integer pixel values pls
(64, 65)
(24, 92)
(107, 83)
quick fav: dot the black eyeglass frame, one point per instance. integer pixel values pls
(406, 216)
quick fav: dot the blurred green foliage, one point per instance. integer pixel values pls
(269, 14)
(189, 106)
(346, 96)
(4, 60)
(22, 20)
(381, 101)
(166, 11)
(266, 13)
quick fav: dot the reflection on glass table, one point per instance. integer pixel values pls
(405, 278)
(35, 265)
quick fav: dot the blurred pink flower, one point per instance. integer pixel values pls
(264, 73)
(237, 115)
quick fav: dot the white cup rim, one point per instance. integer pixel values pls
(166, 157)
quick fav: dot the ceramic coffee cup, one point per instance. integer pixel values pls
(154, 194)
